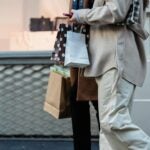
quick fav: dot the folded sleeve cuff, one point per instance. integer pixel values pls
(81, 15)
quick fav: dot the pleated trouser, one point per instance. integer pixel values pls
(114, 112)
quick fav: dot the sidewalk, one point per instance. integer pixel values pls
(39, 144)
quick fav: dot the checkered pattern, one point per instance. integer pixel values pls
(134, 12)
(60, 44)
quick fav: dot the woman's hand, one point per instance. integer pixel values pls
(72, 18)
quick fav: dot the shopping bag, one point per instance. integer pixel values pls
(57, 96)
(76, 53)
(58, 55)
(87, 89)
(64, 71)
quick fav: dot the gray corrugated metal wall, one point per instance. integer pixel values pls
(23, 83)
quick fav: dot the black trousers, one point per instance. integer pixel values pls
(81, 121)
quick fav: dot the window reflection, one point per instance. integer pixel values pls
(16, 24)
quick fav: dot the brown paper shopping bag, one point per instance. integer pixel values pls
(57, 97)
(87, 88)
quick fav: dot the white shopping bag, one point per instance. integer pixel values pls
(76, 53)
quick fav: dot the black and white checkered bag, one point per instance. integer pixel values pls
(58, 55)
(132, 20)
(134, 13)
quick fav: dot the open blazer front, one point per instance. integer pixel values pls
(114, 45)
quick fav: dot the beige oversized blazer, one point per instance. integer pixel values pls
(113, 45)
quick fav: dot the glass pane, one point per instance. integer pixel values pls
(16, 26)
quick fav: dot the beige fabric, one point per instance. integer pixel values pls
(112, 45)
(114, 112)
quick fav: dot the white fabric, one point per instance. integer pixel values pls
(76, 53)
(114, 113)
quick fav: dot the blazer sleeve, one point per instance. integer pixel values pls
(114, 11)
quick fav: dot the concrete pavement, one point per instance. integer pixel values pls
(39, 144)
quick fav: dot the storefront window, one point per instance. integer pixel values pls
(19, 33)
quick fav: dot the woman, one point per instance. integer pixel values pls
(80, 109)
(80, 114)
(118, 64)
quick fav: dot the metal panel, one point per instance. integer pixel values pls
(22, 93)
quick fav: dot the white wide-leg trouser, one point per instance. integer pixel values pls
(114, 112)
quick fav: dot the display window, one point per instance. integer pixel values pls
(30, 25)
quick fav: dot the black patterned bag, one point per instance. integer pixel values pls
(58, 56)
